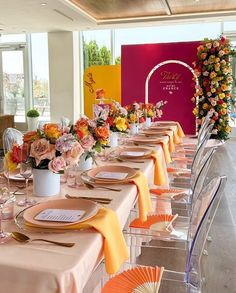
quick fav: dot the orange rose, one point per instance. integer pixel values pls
(102, 132)
(100, 93)
(30, 136)
(81, 127)
(52, 130)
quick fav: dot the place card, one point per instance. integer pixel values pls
(60, 215)
(132, 154)
(111, 175)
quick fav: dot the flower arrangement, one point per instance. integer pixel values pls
(117, 118)
(55, 147)
(12, 158)
(100, 95)
(134, 112)
(152, 111)
(214, 72)
(93, 135)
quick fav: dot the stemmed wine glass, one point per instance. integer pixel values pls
(26, 172)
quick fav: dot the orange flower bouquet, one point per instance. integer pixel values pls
(93, 135)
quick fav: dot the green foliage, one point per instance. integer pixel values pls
(93, 55)
(118, 60)
(33, 113)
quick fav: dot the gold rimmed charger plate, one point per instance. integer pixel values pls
(146, 140)
(147, 153)
(22, 225)
(91, 208)
(154, 132)
(90, 175)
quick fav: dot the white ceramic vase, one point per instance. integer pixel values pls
(45, 182)
(85, 165)
(32, 123)
(134, 129)
(113, 139)
(148, 122)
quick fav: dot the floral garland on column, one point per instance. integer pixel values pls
(214, 71)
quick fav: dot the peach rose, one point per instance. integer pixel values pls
(57, 164)
(87, 142)
(72, 156)
(41, 149)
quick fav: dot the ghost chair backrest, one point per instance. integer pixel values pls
(11, 136)
(199, 231)
(201, 173)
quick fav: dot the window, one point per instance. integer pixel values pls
(97, 47)
(164, 34)
(40, 74)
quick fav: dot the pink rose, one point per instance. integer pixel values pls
(57, 164)
(73, 155)
(41, 149)
(87, 142)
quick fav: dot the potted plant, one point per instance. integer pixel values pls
(32, 119)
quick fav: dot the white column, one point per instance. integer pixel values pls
(64, 75)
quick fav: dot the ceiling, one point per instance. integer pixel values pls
(72, 15)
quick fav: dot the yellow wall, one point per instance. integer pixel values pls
(107, 77)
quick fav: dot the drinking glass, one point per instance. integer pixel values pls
(26, 172)
(4, 236)
(2, 177)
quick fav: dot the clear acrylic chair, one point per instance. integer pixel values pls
(182, 203)
(189, 279)
(152, 234)
(182, 181)
(193, 143)
(11, 136)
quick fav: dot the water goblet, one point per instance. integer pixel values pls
(26, 172)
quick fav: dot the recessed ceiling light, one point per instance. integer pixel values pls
(197, 0)
(43, 4)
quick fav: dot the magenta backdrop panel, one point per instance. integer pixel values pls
(171, 82)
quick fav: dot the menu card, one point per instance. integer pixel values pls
(111, 175)
(60, 215)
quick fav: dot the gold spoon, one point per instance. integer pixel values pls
(24, 238)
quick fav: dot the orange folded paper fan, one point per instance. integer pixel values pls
(139, 279)
(166, 192)
(155, 222)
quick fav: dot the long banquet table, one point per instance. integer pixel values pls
(39, 267)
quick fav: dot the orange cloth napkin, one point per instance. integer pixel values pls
(107, 223)
(144, 199)
(177, 140)
(166, 151)
(159, 172)
(180, 130)
(171, 141)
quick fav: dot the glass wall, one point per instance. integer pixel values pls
(93, 41)
(97, 47)
(40, 75)
(24, 75)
